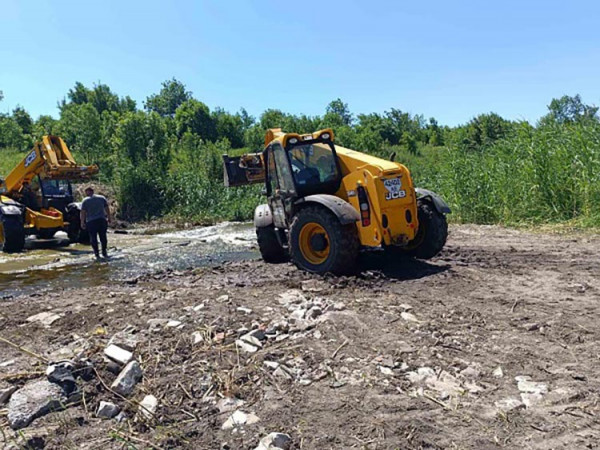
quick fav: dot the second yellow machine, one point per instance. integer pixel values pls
(324, 202)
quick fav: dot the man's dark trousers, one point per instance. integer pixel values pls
(97, 228)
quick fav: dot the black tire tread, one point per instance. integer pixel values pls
(14, 234)
(435, 229)
(344, 259)
(269, 246)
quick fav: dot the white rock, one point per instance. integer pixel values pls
(10, 362)
(409, 317)
(405, 306)
(298, 314)
(470, 372)
(118, 354)
(291, 296)
(199, 307)
(197, 337)
(244, 310)
(173, 324)
(314, 312)
(45, 318)
(338, 306)
(271, 364)
(275, 441)
(313, 286)
(228, 404)
(509, 404)
(148, 406)
(386, 370)
(524, 384)
(239, 418)
(498, 372)
(107, 410)
(223, 298)
(245, 346)
(156, 324)
(127, 379)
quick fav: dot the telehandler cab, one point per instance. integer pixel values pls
(47, 208)
(325, 202)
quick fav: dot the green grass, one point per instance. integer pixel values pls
(9, 158)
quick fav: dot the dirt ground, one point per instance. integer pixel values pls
(494, 344)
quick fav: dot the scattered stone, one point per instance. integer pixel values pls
(405, 306)
(509, 404)
(126, 338)
(223, 298)
(118, 354)
(6, 392)
(199, 307)
(275, 441)
(313, 286)
(283, 372)
(45, 318)
(148, 406)
(62, 373)
(531, 391)
(156, 324)
(34, 400)
(174, 324)
(245, 346)
(271, 364)
(107, 410)
(531, 326)
(442, 382)
(498, 372)
(314, 312)
(409, 317)
(386, 370)
(338, 306)
(298, 314)
(470, 372)
(291, 296)
(197, 337)
(244, 310)
(239, 418)
(127, 379)
(228, 404)
(10, 362)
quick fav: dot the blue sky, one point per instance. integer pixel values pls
(450, 60)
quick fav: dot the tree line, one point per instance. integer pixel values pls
(164, 157)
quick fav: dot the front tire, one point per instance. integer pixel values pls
(432, 234)
(319, 243)
(270, 248)
(12, 233)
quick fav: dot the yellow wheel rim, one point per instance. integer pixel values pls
(314, 243)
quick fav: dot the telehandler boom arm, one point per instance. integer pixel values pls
(51, 159)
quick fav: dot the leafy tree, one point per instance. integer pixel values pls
(229, 126)
(570, 109)
(43, 125)
(171, 96)
(142, 139)
(340, 109)
(11, 134)
(80, 126)
(194, 116)
(100, 97)
(484, 130)
(23, 119)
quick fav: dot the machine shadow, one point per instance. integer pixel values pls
(402, 268)
(61, 245)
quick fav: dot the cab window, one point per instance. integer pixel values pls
(314, 167)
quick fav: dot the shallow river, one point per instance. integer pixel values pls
(54, 264)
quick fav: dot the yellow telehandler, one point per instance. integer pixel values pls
(36, 198)
(325, 202)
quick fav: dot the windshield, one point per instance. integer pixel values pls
(313, 163)
(56, 188)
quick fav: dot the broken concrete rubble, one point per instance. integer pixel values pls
(127, 379)
(148, 406)
(107, 410)
(275, 441)
(34, 400)
(118, 354)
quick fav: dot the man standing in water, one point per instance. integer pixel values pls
(94, 217)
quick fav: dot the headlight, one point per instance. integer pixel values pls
(10, 210)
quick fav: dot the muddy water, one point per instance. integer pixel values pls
(56, 265)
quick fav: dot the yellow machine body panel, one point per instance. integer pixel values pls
(51, 159)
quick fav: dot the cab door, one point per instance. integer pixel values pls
(281, 190)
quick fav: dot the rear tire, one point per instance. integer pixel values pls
(432, 234)
(270, 248)
(13, 233)
(319, 243)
